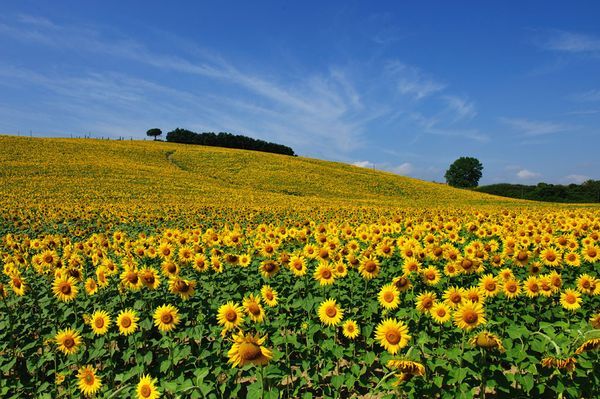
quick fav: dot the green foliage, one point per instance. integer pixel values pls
(587, 192)
(465, 172)
(154, 133)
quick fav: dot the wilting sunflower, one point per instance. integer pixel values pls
(369, 268)
(588, 345)
(127, 321)
(389, 296)
(230, 315)
(425, 301)
(89, 383)
(330, 313)
(18, 285)
(182, 287)
(488, 341)
(269, 295)
(440, 312)
(595, 321)
(324, 273)
(392, 335)
(469, 315)
(407, 366)
(511, 289)
(253, 308)
(248, 349)
(146, 388)
(68, 341)
(402, 283)
(65, 288)
(166, 317)
(100, 321)
(566, 363)
(350, 329)
(570, 299)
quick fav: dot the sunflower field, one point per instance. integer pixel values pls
(106, 293)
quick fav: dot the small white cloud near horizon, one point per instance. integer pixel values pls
(525, 174)
(364, 164)
(404, 169)
(577, 179)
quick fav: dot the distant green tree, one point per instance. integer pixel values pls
(465, 172)
(154, 133)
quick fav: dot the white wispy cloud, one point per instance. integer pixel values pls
(571, 42)
(586, 96)
(364, 164)
(404, 169)
(525, 174)
(528, 127)
(411, 80)
(460, 107)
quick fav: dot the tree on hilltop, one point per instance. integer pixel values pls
(465, 172)
(154, 133)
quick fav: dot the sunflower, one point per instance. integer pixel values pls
(453, 296)
(532, 287)
(169, 268)
(392, 335)
(550, 257)
(200, 263)
(566, 363)
(469, 316)
(268, 268)
(411, 265)
(146, 388)
(68, 341)
(588, 345)
(425, 301)
(572, 259)
(91, 287)
(389, 296)
(127, 321)
(89, 383)
(150, 278)
(65, 288)
(253, 308)
(100, 321)
(131, 279)
(330, 313)
(440, 312)
(182, 287)
(340, 268)
(350, 329)
(570, 299)
(586, 284)
(18, 285)
(244, 260)
(230, 315)
(402, 283)
(166, 317)
(369, 268)
(324, 273)
(489, 284)
(487, 340)
(248, 349)
(595, 321)
(407, 367)
(511, 289)
(506, 274)
(431, 275)
(269, 295)
(591, 253)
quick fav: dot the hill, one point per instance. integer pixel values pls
(61, 171)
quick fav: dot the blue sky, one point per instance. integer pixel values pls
(401, 86)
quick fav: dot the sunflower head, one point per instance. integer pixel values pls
(392, 335)
(146, 388)
(166, 317)
(248, 349)
(230, 315)
(330, 313)
(350, 329)
(488, 341)
(68, 341)
(100, 321)
(88, 381)
(127, 321)
(469, 315)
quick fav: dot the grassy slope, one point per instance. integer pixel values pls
(70, 170)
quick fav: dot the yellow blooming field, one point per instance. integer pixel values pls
(146, 269)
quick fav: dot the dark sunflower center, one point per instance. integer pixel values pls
(370, 266)
(551, 257)
(269, 267)
(331, 311)
(441, 312)
(126, 322)
(427, 303)
(326, 274)
(69, 343)
(570, 298)
(388, 296)
(470, 317)
(65, 289)
(89, 379)
(145, 391)
(522, 256)
(254, 309)
(393, 337)
(99, 322)
(511, 287)
(490, 286)
(132, 277)
(231, 316)
(48, 258)
(166, 318)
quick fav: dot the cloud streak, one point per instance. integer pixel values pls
(533, 128)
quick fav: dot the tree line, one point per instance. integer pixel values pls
(227, 140)
(587, 192)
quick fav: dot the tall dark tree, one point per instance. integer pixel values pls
(154, 133)
(465, 172)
